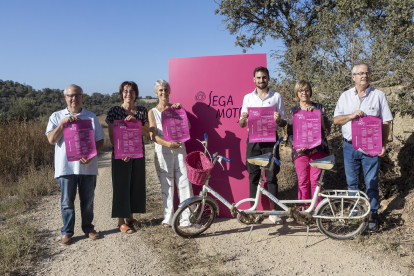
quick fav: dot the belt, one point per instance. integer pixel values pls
(347, 141)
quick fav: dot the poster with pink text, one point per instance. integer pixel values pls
(175, 125)
(211, 89)
(261, 123)
(79, 140)
(306, 129)
(127, 139)
(367, 134)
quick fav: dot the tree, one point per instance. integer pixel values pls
(22, 109)
(323, 39)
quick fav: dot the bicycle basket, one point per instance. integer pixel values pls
(198, 167)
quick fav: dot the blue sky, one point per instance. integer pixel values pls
(99, 44)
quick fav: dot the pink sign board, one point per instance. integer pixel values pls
(306, 129)
(127, 139)
(261, 123)
(211, 89)
(367, 134)
(79, 140)
(175, 125)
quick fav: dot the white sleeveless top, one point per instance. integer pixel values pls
(157, 115)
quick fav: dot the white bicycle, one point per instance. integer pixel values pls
(341, 215)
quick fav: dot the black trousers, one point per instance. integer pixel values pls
(255, 149)
(129, 191)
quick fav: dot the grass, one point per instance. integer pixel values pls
(15, 249)
(26, 173)
(23, 145)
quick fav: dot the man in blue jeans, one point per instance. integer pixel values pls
(76, 174)
(360, 101)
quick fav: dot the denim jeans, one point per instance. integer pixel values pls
(68, 185)
(354, 161)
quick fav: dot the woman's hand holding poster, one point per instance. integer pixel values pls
(367, 135)
(127, 139)
(262, 126)
(306, 129)
(175, 125)
(79, 140)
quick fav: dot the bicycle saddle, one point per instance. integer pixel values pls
(263, 160)
(326, 163)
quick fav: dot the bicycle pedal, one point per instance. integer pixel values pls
(259, 219)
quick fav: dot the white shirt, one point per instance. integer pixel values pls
(62, 166)
(373, 103)
(272, 99)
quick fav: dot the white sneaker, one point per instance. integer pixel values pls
(275, 219)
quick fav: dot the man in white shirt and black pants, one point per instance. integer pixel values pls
(262, 96)
(360, 101)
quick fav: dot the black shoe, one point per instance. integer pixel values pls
(372, 225)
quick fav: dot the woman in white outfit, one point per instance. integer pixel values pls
(169, 157)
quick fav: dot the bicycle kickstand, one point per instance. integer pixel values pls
(259, 218)
(251, 228)
(307, 235)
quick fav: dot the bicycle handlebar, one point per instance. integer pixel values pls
(226, 159)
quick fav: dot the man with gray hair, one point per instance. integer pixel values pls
(76, 174)
(360, 101)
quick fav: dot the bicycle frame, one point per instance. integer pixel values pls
(331, 194)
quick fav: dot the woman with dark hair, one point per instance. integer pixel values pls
(128, 174)
(307, 174)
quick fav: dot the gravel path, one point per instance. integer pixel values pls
(115, 253)
(272, 250)
(280, 250)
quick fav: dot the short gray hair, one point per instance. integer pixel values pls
(161, 82)
(356, 66)
(75, 87)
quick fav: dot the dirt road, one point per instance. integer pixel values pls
(272, 250)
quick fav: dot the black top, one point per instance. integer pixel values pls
(323, 147)
(119, 113)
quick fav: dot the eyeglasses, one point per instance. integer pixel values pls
(362, 73)
(128, 92)
(77, 96)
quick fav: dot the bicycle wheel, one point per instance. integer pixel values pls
(192, 211)
(341, 228)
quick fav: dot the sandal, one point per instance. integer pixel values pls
(125, 229)
(166, 225)
(131, 222)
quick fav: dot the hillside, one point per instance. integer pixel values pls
(46, 101)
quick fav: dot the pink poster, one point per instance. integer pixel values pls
(261, 123)
(306, 129)
(79, 140)
(127, 139)
(367, 134)
(211, 89)
(175, 125)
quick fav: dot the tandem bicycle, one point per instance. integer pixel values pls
(341, 215)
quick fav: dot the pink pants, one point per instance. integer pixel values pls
(306, 173)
